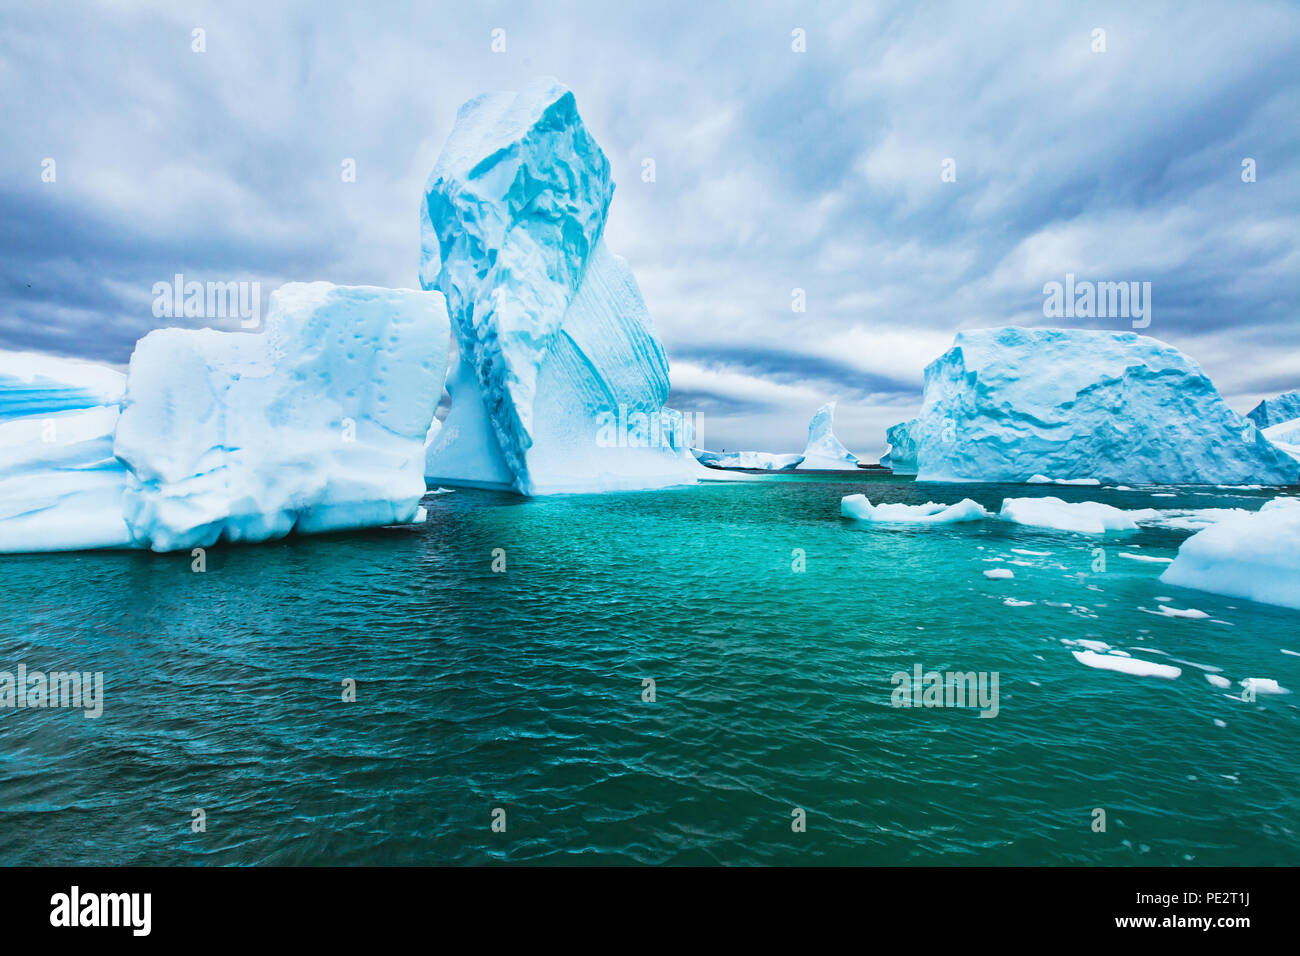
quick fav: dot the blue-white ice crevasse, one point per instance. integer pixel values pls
(60, 486)
(1007, 404)
(560, 383)
(824, 452)
(317, 423)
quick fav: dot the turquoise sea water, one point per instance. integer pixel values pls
(523, 691)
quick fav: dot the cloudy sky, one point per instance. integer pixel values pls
(775, 170)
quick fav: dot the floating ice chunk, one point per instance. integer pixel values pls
(1190, 613)
(1044, 480)
(861, 509)
(1220, 682)
(1255, 556)
(824, 451)
(1185, 519)
(999, 574)
(1145, 557)
(1013, 602)
(1034, 554)
(1087, 643)
(1126, 665)
(316, 424)
(1263, 685)
(1219, 723)
(1085, 517)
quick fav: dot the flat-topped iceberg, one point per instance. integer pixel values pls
(756, 460)
(1006, 404)
(1274, 411)
(824, 451)
(316, 424)
(1252, 555)
(561, 382)
(60, 486)
(860, 508)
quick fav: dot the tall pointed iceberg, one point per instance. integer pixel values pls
(561, 383)
(825, 452)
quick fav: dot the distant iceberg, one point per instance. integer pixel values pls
(1275, 411)
(1286, 436)
(561, 383)
(1254, 555)
(1006, 404)
(824, 451)
(758, 460)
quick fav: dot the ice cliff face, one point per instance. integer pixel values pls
(901, 456)
(1275, 411)
(60, 486)
(556, 346)
(1006, 404)
(316, 424)
(824, 451)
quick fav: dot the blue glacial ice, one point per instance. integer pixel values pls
(1253, 555)
(824, 451)
(60, 486)
(1275, 411)
(901, 457)
(559, 365)
(1007, 404)
(860, 508)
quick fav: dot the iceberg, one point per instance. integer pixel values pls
(824, 451)
(860, 508)
(1084, 517)
(1255, 555)
(1274, 411)
(901, 457)
(756, 460)
(1005, 404)
(60, 485)
(316, 424)
(561, 383)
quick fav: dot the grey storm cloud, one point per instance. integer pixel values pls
(775, 170)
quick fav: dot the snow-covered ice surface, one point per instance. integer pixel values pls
(860, 508)
(316, 424)
(1085, 517)
(60, 486)
(1126, 665)
(1253, 555)
(1286, 436)
(569, 381)
(1006, 404)
(824, 451)
(761, 460)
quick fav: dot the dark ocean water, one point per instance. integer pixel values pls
(523, 691)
